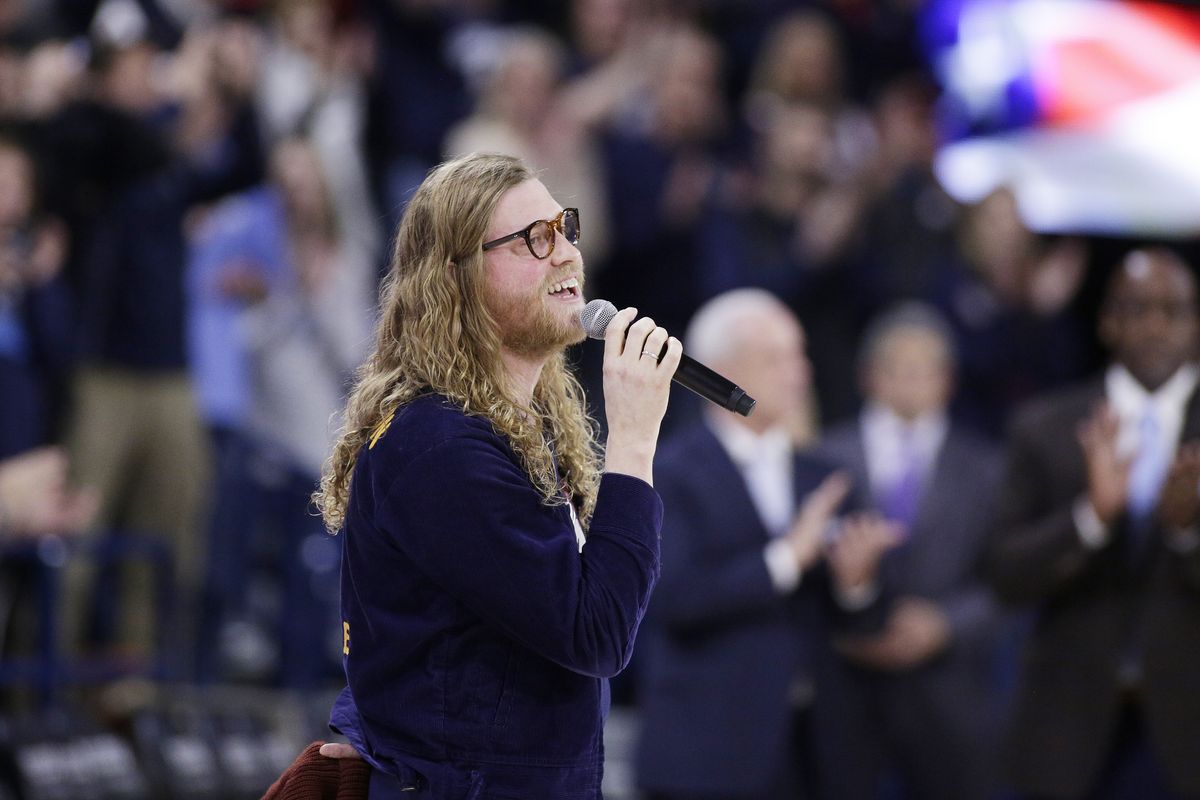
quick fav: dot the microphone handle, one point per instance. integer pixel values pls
(713, 386)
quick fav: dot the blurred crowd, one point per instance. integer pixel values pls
(196, 200)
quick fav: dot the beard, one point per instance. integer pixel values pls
(528, 327)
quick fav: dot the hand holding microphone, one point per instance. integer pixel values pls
(636, 387)
(598, 314)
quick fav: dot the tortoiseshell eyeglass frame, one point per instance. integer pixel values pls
(557, 225)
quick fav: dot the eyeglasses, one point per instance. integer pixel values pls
(539, 235)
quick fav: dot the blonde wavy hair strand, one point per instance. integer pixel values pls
(435, 333)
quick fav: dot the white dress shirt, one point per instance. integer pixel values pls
(884, 433)
(1130, 401)
(765, 463)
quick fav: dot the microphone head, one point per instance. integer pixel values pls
(595, 316)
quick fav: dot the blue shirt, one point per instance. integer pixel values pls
(478, 636)
(247, 228)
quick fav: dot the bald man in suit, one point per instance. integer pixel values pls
(750, 588)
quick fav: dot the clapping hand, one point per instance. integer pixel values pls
(807, 534)
(916, 631)
(1108, 470)
(855, 554)
(1179, 501)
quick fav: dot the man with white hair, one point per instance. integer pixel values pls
(749, 574)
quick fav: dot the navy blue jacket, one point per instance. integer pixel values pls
(478, 636)
(722, 647)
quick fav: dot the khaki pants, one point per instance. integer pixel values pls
(137, 439)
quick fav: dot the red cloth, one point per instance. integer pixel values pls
(313, 776)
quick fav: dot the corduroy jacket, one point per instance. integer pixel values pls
(478, 634)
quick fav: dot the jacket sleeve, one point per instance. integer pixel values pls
(703, 586)
(706, 583)
(471, 519)
(971, 606)
(1188, 564)
(1035, 549)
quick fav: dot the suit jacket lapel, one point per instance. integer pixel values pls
(947, 461)
(1191, 419)
(856, 463)
(1143, 559)
(926, 543)
(726, 485)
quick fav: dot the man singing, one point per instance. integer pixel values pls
(494, 569)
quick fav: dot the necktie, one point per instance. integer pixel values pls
(1146, 477)
(901, 497)
(1149, 468)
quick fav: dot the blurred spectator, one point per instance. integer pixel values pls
(735, 629)
(802, 62)
(661, 160)
(1010, 296)
(134, 433)
(236, 256)
(881, 40)
(915, 701)
(415, 94)
(611, 62)
(35, 308)
(905, 244)
(662, 121)
(764, 229)
(298, 65)
(53, 70)
(600, 31)
(524, 111)
(37, 499)
(37, 77)
(758, 234)
(813, 145)
(311, 85)
(308, 332)
(908, 235)
(114, 18)
(289, 294)
(1097, 531)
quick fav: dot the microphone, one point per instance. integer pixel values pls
(691, 374)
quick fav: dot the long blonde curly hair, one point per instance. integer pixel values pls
(435, 333)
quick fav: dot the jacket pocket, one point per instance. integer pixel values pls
(475, 788)
(504, 703)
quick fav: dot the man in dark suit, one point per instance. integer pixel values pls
(912, 701)
(748, 581)
(1097, 531)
